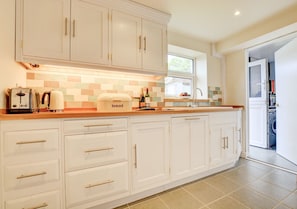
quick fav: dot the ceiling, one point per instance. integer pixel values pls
(214, 20)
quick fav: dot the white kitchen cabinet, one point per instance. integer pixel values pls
(96, 161)
(77, 31)
(154, 54)
(223, 138)
(89, 32)
(31, 169)
(150, 145)
(189, 145)
(138, 43)
(39, 33)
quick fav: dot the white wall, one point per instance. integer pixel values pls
(236, 90)
(11, 73)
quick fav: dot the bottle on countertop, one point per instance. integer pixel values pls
(147, 98)
(141, 100)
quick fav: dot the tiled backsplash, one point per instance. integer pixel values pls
(81, 87)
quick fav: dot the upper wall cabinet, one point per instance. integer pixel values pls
(138, 43)
(89, 32)
(47, 32)
(42, 29)
(80, 33)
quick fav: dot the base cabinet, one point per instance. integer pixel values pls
(96, 161)
(150, 144)
(109, 161)
(223, 138)
(31, 164)
(189, 145)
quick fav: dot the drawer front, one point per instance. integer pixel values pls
(222, 117)
(30, 175)
(97, 183)
(89, 150)
(31, 142)
(47, 200)
(95, 125)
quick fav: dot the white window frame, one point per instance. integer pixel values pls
(192, 76)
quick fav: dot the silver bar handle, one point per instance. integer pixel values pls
(97, 125)
(43, 205)
(99, 149)
(227, 139)
(144, 47)
(73, 28)
(224, 141)
(31, 142)
(192, 118)
(31, 175)
(99, 184)
(66, 26)
(135, 156)
(139, 39)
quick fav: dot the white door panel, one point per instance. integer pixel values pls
(286, 114)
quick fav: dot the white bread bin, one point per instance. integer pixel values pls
(112, 102)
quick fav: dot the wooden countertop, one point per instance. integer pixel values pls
(82, 113)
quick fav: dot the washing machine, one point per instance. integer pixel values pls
(271, 128)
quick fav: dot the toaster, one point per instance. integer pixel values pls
(22, 100)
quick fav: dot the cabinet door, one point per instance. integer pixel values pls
(154, 47)
(230, 150)
(42, 33)
(199, 148)
(216, 145)
(180, 148)
(151, 161)
(89, 32)
(126, 40)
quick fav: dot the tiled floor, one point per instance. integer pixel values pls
(249, 185)
(271, 157)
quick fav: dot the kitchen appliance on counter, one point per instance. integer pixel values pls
(55, 100)
(22, 100)
(114, 102)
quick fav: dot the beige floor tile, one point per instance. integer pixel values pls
(282, 206)
(283, 179)
(227, 203)
(153, 203)
(203, 191)
(180, 199)
(271, 190)
(222, 183)
(291, 201)
(245, 174)
(253, 199)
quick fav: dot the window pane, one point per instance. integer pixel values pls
(175, 86)
(180, 64)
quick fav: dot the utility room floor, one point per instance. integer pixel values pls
(248, 185)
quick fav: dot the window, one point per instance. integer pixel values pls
(181, 76)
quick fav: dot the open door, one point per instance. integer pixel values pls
(286, 101)
(258, 103)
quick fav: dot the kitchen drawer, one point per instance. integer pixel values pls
(97, 183)
(49, 200)
(31, 142)
(222, 117)
(30, 175)
(94, 125)
(89, 150)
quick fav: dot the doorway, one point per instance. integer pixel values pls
(262, 105)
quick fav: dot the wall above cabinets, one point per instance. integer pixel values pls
(92, 34)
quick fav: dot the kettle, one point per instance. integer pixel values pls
(55, 100)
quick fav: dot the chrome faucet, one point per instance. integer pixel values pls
(195, 102)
